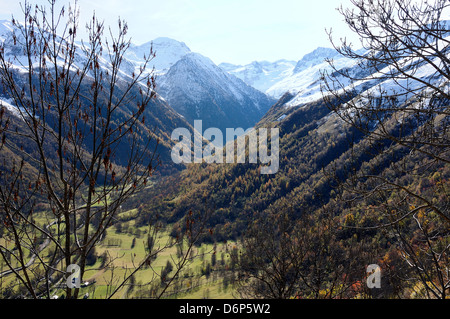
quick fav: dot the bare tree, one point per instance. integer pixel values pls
(271, 258)
(397, 96)
(284, 258)
(401, 41)
(76, 114)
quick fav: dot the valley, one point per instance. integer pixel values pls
(359, 138)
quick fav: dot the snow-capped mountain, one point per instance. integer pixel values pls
(267, 76)
(198, 89)
(167, 53)
(300, 79)
(261, 75)
(305, 84)
(316, 57)
(304, 81)
(6, 27)
(13, 41)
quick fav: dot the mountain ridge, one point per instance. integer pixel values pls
(282, 76)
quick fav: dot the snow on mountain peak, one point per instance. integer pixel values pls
(260, 74)
(277, 78)
(198, 89)
(6, 26)
(168, 52)
(169, 42)
(315, 57)
(199, 76)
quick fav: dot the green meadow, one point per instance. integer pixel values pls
(207, 273)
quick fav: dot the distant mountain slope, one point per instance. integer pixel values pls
(304, 81)
(279, 77)
(261, 75)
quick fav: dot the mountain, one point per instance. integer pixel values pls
(167, 53)
(261, 75)
(316, 57)
(160, 118)
(198, 89)
(300, 79)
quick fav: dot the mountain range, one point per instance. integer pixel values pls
(300, 78)
(190, 86)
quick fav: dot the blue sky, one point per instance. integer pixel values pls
(234, 31)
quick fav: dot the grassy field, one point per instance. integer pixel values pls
(193, 282)
(206, 275)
